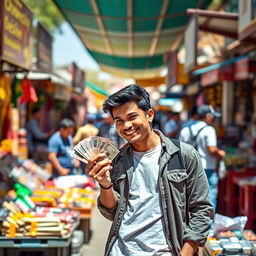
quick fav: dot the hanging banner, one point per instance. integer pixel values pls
(16, 42)
(191, 37)
(78, 78)
(210, 77)
(44, 49)
(176, 73)
(242, 69)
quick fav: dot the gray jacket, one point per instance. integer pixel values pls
(184, 195)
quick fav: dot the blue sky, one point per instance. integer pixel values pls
(67, 48)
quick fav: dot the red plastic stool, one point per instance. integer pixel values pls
(247, 204)
(232, 190)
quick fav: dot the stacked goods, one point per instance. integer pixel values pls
(77, 198)
(251, 237)
(47, 196)
(230, 243)
(30, 175)
(41, 222)
(64, 198)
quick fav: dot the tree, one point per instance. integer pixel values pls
(46, 12)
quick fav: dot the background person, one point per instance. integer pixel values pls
(173, 125)
(60, 146)
(86, 130)
(36, 138)
(206, 145)
(107, 129)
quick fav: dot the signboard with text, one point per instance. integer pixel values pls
(44, 49)
(16, 41)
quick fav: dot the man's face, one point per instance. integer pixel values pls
(209, 119)
(66, 132)
(132, 123)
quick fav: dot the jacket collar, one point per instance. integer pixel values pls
(167, 145)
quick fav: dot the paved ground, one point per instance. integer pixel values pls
(100, 228)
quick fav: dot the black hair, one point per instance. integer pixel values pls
(129, 93)
(193, 111)
(66, 123)
(35, 110)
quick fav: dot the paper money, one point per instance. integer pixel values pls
(89, 147)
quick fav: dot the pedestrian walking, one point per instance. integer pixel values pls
(155, 190)
(206, 144)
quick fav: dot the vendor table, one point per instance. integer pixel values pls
(35, 246)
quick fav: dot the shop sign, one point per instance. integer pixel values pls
(16, 42)
(191, 37)
(192, 89)
(242, 69)
(44, 49)
(247, 18)
(78, 78)
(226, 73)
(210, 77)
(62, 92)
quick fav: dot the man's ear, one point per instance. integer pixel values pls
(150, 115)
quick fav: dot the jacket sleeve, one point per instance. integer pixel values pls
(108, 213)
(200, 209)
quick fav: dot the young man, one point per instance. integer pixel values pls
(155, 191)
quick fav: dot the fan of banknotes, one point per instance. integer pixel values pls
(89, 147)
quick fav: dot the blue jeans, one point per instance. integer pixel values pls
(213, 180)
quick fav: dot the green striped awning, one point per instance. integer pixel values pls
(129, 38)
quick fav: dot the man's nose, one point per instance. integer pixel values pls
(127, 125)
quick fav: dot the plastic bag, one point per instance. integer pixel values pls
(222, 223)
(222, 170)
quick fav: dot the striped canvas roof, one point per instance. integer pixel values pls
(129, 37)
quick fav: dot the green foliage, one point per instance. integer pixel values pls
(46, 12)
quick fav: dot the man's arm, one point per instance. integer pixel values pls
(100, 171)
(198, 202)
(216, 152)
(56, 164)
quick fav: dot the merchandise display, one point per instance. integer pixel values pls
(40, 222)
(231, 243)
(73, 198)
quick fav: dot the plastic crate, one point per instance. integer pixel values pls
(35, 251)
(35, 246)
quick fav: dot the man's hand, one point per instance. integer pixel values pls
(188, 248)
(76, 163)
(64, 171)
(222, 154)
(99, 170)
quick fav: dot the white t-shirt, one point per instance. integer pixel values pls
(207, 137)
(142, 229)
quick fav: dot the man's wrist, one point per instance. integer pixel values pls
(106, 187)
